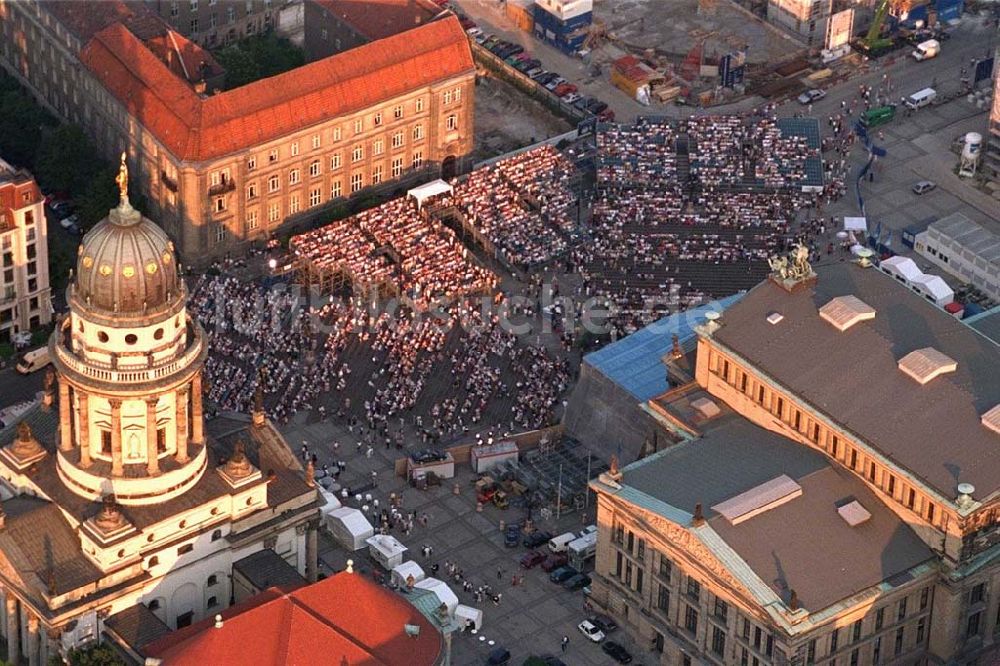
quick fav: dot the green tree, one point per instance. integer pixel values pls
(98, 197)
(240, 66)
(20, 128)
(258, 57)
(97, 655)
(65, 161)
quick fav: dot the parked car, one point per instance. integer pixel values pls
(576, 582)
(607, 116)
(536, 539)
(509, 50)
(617, 652)
(533, 72)
(481, 37)
(555, 83)
(474, 32)
(564, 89)
(591, 631)
(604, 623)
(597, 106)
(511, 535)
(545, 78)
(554, 561)
(811, 95)
(583, 102)
(427, 455)
(532, 558)
(61, 207)
(562, 574)
(71, 224)
(570, 98)
(924, 186)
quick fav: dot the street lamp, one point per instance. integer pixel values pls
(272, 264)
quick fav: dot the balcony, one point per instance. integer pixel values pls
(168, 182)
(225, 186)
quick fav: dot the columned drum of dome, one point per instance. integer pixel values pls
(129, 360)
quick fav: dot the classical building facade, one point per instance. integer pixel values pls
(834, 498)
(223, 170)
(114, 493)
(25, 301)
(216, 22)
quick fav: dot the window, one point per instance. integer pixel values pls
(397, 167)
(833, 640)
(334, 161)
(811, 652)
(293, 204)
(418, 159)
(618, 565)
(911, 498)
(718, 641)
(357, 153)
(212, 580)
(972, 625)
(879, 618)
(335, 189)
(628, 572)
(856, 632)
(446, 97)
(871, 473)
(378, 119)
(251, 163)
(220, 233)
(798, 420)
(212, 602)
(452, 122)
(359, 126)
(769, 646)
(921, 627)
(272, 156)
(721, 610)
(876, 649)
(153, 561)
(314, 168)
(315, 141)
(746, 629)
(780, 403)
(855, 653)
(216, 535)
(378, 147)
(397, 139)
(418, 104)
(665, 567)
(220, 204)
(663, 598)
(273, 212)
(153, 605)
(253, 221)
(815, 434)
(760, 394)
(640, 553)
(930, 512)
(194, 24)
(357, 182)
(293, 176)
(315, 197)
(902, 609)
(251, 191)
(854, 459)
(376, 174)
(638, 579)
(924, 594)
(185, 549)
(690, 619)
(693, 589)
(898, 647)
(397, 111)
(194, 5)
(295, 148)
(273, 183)
(337, 134)
(418, 132)
(757, 636)
(174, 10)
(220, 177)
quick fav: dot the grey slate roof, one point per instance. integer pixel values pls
(266, 568)
(137, 626)
(934, 431)
(803, 544)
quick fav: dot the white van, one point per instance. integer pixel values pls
(36, 359)
(558, 544)
(921, 98)
(926, 50)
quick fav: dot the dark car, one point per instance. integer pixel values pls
(427, 455)
(576, 582)
(531, 558)
(617, 652)
(512, 535)
(546, 78)
(554, 561)
(536, 539)
(499, 656)
(62, 208)
(562, 574)
(597, 106)
(584, 102)
(541, 74)
(604, 623)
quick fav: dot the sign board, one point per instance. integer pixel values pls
(839, 28)
(732, 68)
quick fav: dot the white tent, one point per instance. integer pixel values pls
(935, 288)
(428, 190)
(902, 267)
(386, 550)
(330, 501)
(467, 614)
(441, 591)
(855, 224)
(349, 527)
(404, 570)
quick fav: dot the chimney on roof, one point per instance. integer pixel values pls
(200, 87)
(698, 517)
(793, 601)
(350, 566)
(218, 622)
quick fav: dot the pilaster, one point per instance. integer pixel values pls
(182, 425)
(65, 418)
(117, 468)
(152, 459)
(83, 428)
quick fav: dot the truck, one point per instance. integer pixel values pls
(33, 360)
(878, 116)
(921, 98)
(926, 50)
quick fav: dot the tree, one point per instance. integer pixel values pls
(20, 130)
(240, 66)
(99, 196)
(66, 160)
(97, 655)
(258, 57)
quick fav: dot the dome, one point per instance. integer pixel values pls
(126, 263)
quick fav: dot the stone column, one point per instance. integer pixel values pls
(13, 630)
(182, 425)
(152, 457)
(65, 420)
(51, 645)
(311, 552)
(197, 414)
(34, 646)
(83, 428)
(117, 468)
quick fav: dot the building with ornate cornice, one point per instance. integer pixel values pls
(834, 496)
(115, 497)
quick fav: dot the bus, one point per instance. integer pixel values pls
(878, 116)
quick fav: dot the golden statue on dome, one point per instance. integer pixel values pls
(122, 180)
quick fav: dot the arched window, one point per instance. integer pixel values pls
(216, 535)
(153, 561)
(131, 339)
(153, 605)
(102, 336)
(212, 580)
(158, 334)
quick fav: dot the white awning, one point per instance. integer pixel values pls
(428, 190)
(936, 287)
(855, 224)
(902, 266)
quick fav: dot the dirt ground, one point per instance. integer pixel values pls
(506, 119)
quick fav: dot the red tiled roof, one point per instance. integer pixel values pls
(378, 19)
(196, 128)
(86, 19)
(343, 620)
(13, 187)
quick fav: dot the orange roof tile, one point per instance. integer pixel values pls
(196, 128)
(346, 619)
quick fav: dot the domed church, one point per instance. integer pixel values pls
(122, 515)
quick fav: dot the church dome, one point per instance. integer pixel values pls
(126, 263)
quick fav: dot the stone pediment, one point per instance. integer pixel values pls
(685, 540)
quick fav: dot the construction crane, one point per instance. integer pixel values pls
(874, 42)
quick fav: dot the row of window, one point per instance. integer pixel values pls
(824, 438)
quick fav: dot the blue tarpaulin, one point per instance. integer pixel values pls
(635, 362)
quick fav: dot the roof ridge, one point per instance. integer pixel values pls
(306, 608)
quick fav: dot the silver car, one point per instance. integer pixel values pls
(810, 96)
(924, 186)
